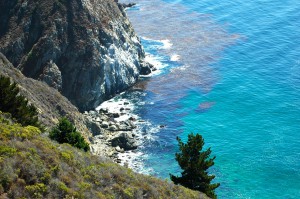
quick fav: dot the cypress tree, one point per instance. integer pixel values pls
(11, 101)
(65, 132)
(194, 162)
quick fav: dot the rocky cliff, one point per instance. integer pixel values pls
(86, 49)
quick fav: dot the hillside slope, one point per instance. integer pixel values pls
(50, 104)
(32, 166)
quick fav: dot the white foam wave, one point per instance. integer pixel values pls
(180, 68)
(115, 105)
(156, 61)
(135, 159)
(166, 44)
(175, 57)
(147, 38)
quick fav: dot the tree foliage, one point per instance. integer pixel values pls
(11, 101)
(65, 132)
(194, 162)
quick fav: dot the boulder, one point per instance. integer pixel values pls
(116, 115)
(124, 140)
(104, 118)
(93, 113)
(104, 125)
(94, 127)
(124, 127)
(119, 149)
(103, 110)
(113, 128)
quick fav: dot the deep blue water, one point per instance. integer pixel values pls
(237, 83)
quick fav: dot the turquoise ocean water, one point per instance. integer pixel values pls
(229, 70)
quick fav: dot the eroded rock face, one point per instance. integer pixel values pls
(87, 49)
(52, 75)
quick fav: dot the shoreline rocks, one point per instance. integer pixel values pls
(111, 133)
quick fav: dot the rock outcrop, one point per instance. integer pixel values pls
(86, 49)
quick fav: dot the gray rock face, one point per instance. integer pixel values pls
(87, 49)
(94, 127)
(124, 140)
(51, 75)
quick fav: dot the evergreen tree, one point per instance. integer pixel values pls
(194, 162)
(11, 101)
(65, 132)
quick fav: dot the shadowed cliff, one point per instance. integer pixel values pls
(50, 104)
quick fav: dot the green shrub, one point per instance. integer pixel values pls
(17, 105)
(11, 131)
(37, 190)
(7, 151)
(129, 192)
(65, 132)
(67, 156)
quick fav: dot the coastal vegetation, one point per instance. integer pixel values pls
(16, 104)
(33, 166)
(194, 162)
(65, 132)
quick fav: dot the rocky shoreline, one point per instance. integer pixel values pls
(113, 126)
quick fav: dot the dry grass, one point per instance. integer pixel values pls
(32, 166)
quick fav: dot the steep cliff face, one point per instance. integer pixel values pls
(87, 49)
